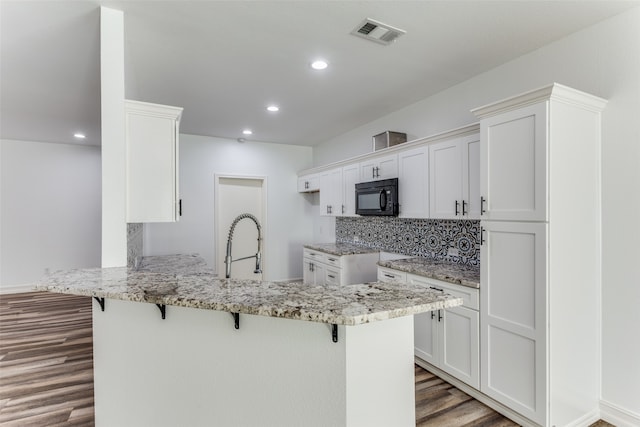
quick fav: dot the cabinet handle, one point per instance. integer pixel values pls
(439, 315)
(481, 236)
(457, 205)
(331, 259)
(437, 289)
(306, 185)
(390, 276)
(180, 207)
(311, 267)
(331, 276)
(464, 207)
(342, 209)
(433, 315)
(377, 172)
(482, 200)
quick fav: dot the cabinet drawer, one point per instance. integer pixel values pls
(469, 296)
(332, 260)
(389, 275)
(332, 277)
(313, 255)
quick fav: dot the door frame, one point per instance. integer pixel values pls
(216, 215)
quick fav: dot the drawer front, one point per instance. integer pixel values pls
(470, 296)
(313, 255)
(389, 275)
(332, 277)
(332, 260)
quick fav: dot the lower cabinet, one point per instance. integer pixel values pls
(321, 268)
(448, 339)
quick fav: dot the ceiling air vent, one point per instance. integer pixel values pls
(377, 31)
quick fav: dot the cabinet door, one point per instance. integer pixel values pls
(513, 316)
(413, 179)
(425, 336)
(350, 176)
(445, 179)
(308, 183)
(331, 192)
(459, 340)
(471, 177)
(152, 162)
(383, 167)
(513, 164)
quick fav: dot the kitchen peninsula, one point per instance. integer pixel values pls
(174, 345)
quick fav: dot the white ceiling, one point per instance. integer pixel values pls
(225, 61)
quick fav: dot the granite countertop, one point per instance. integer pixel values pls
(340, 249)
(459, 274)
(199, 288)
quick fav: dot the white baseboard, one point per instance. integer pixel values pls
(586, 420)
(618, 416)
(17, 289)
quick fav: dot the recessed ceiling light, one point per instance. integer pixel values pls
(320, 64)
(273, 108)
(79, 135)
(247, 132)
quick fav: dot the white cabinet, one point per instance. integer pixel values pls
(450, 338)
(308, 183)
(540, 256)
(350, 177)
(514, 265)
(454, 178)
(390, 275)
(413, 179)
(331, 192)
(321, 268)
(379, 167)
(152, 162)
(513, 159)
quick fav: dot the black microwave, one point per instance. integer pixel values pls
(377, 197)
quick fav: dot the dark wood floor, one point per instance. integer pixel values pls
(46, 360)
(46, 370)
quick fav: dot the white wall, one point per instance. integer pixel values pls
(603, 60)
(286, 230)
(49, 209)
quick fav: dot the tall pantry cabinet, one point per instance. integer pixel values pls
(540, 271)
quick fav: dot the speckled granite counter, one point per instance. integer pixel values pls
(340, 249)
(193, 285)
(459, 274)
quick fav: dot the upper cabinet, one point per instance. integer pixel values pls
(454, 175)
(413, 182)
(308, 183)
(331, 192)
(152, 162)
(436, 176)
(513, 158)
(350, 177)
(379, 167)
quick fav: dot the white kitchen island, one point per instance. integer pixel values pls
(301, 355)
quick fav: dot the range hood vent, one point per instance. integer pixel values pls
(378, 32)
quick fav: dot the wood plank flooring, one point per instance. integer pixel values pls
(46, 360)
(46, 370)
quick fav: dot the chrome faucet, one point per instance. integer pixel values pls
(228, 260)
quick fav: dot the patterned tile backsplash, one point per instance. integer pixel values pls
(456, 241)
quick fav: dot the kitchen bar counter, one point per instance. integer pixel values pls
(459, 274)
(155, 282)
(349, 364)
